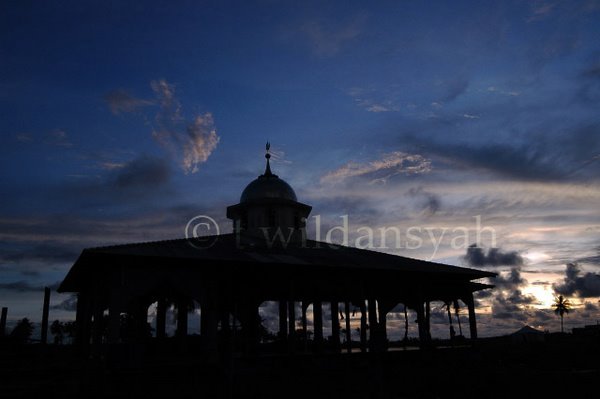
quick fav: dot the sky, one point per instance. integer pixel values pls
(470, 127)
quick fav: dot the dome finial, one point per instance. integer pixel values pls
(268, 156)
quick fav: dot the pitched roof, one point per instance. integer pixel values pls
(226, 249)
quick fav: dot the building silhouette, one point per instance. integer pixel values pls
(267, 258)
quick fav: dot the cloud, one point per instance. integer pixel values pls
(430, 202)
(69, 304)
(328, 38)
(509, 281)
(574, 283)
(391, 164)
(121, 101)
(202, 141)
(25, 286)
(145, 171)
(59, 138)
(48, 251)
(476, 256)
(193, 142)
(453, 88)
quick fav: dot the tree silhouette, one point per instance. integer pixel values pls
(561, 306)
(57, 329)
(22, 331)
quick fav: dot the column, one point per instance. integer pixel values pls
(292, 325)
(372, 325)
(382, 326)
(472, 320)
(182, 318)
(305, 305)
(348, 327)
(161, 318)
(318, 324)
(98, 313)
(283, 320)
(3, 322)
(335, 326)
(421, 324)
(428, 320)
(363, 326)
(45, 313)
(114, 317)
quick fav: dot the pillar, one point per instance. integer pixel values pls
(372, 325)
(182, 318)
(161, 318)
(421, 324)
(292, 325)
(335, 326)
(348, 327)
(428, 319)
(45, 313)
(283, 320)
(305, 305)
(83, 321)
(382, 326)
(363, 326)
(208, 325)
(114, 317)
(472, 320)
(3, 322)
(318, 324)
(97, 327)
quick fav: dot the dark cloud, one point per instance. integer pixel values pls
(144, 177)
(69, 304)
(45, 252)
(503, 308)
(121, 101)
(430, 202)
(454, 88)
(25, 286)
(574, 283)
(145, 171)
(511, 281)
(476, 256)
(517, 297)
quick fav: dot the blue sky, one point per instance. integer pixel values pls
(121, 121)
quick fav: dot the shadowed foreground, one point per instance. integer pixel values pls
(495, 368)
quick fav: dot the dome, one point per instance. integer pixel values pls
(268, 186)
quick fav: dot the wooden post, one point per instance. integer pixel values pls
(114, 318)
(182, 318)
(472, 320)
(283, 320)
(363, 326)
(428, 320)
(292, 326)
(161, 318)
(318, 324)
(97, 327)
(3, 322)
(348, 328)
(304, 305)
(421, 323)
(45, 314)
(335, 326)
(372, 325)
(382, 326)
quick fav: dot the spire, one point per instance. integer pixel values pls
(268, 172)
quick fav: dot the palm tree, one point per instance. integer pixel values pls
(561, 306)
